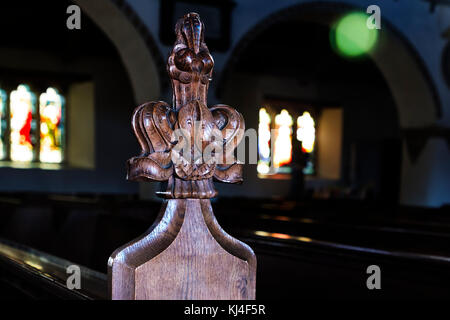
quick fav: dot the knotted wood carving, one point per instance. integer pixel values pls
(185, 254)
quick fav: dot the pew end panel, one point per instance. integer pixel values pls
(185, 254)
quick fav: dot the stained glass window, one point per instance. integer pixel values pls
(22, 107)
(282, 153)
(3, 120)
(31, 132)
(306, 133)
(264, 141)
(275, 145)
(51, 128)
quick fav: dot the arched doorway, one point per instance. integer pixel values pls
(415, 95)
(392, 79)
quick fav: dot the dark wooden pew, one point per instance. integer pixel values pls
(297, 256)
(290, 268)
(26, 273)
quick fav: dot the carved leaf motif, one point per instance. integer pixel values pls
(153, 130)
(156, 166)
(229, 174)
(232, 125)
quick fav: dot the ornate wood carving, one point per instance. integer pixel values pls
(185, 254)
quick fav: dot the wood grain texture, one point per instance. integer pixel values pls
(185, 254)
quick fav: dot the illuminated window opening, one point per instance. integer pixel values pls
(3, 122)
(264, 142)
(275, 149)
(51, 127)
(28, 132)
(282, 153)
(22, 107)
(306, 134)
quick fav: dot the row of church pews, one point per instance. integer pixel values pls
(26, 273)
(366, 235)
(309, 255)
(427, 233)
(84, 229)
(316, 269)
(287, 270)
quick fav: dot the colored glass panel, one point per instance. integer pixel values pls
(264, 142)
(22, 104)
(282, 154)
(51, 106)
(306, 132)
(3, 120)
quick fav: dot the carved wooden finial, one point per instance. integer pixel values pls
(190, 68)
(185, 254)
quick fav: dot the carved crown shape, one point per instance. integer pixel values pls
(189, 144)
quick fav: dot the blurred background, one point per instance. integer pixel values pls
(356, 173)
